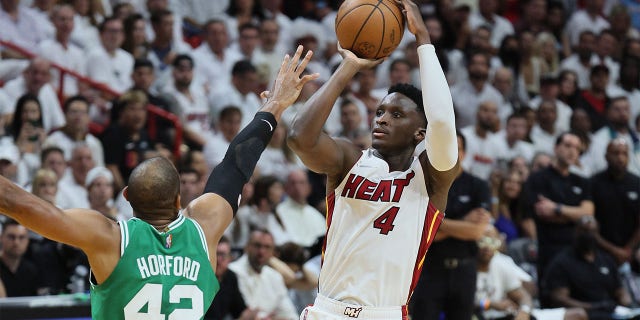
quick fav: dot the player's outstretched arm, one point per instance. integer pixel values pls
(442, 146)
(217, 206)
(316, 149)
(82, 228)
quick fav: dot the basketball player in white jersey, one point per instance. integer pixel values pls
(384, 204)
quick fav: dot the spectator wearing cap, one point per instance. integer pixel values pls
(594, 99)
(108, 63)
(213, 58)
(99, 184)
(241, 92)
(191, 103)
(72, 188)
(76, 130)
(580, 61)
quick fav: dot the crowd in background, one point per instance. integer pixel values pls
(547, 102)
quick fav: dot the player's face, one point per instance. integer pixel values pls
(396, 123)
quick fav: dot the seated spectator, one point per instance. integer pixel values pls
(99, 184)
(107, 63)
(45, 185)
(350, 119)
(268, 54)
(262, 288)
(190, 186)
(125, 141)
(545, 132)
(240, 92)
(550, 91)
(52, 158)
(213, 57)
(301, 279)
(500, 293)
(512, 139)
(165, 46)
(88, 16)
(62, 51)
(9, 160)
(584, 276)
(580, 61)
(228, 301)
(228, 127)
(506, 214)
(303, 223)
(594, 99)
(19, 275)
(20, 25)
(277, 159)
(72, 187)
(28, 135)
(35, 81)
(135, 40)
(483, 148)
(76, 111)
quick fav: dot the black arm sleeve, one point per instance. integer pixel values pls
(228, 178)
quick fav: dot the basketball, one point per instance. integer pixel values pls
(371, 29)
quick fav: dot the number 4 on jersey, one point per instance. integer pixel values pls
(385, 221)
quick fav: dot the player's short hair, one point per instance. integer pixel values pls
(153, 185)
(412, 93)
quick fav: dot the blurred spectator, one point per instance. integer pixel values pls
(165, 46)
(615, 198)
(62, 51)
(553, 200)
(620, 22)
(545, 44)
(504, 83)
(262, 288)
(268, 193)
(500, 291)
(228, 127)
(35, 81)
(512, 139)
(135, 41)
(534, 17)
(299, 275)
(125, 141)
(107, 63)
(540, 161)
(399, 70)
(43, 9)
(583, 276)
(248, 40)
(28, 135)
(545, 133)
(45, 185)
(507, 216)
(191, 103)
(88, 16)
(350, 119)
(72, 186)
(228, 301)
(365, 82)
(448, 279)
(277, 159)
(556, 21)
(52, 158)
(268, 55)
(590, 18)
(486, 16)
(569, 89)
(190, 186)
(214, 60)
(99, 184)
(273, 10)
(483, 144)
(240, 92)
(469, 94)
(617, 119)
(594, 99)
(123, 10)
(196, 13)
(580, 61)
(303, 223)
(605, 52)
(76, 110)
(242, 12)
(532, 65)
(629, 86)
(19, 275)
(20, 25)
(550, 90)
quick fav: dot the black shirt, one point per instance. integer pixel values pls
(228, 301)
(617, 205)
(568, 190)
(121, 150)
(466, 193)
(25, 282)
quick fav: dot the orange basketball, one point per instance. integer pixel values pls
(371, 29)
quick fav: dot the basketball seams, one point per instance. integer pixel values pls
(384, 25)
(364, 23)
(344, 15)
(400, 24)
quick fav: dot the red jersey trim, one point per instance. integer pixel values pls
(331, 203)
(431, 224)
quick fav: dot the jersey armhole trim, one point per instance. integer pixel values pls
(124, 236)
(203, 238)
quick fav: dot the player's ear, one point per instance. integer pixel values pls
(125, 192)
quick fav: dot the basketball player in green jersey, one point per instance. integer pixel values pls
(159, 264)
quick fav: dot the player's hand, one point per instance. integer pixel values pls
(415, 23)
(360, 63)
(288, 83)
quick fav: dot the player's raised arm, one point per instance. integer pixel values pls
(219, 203)
(316, 149)
(442, 145)
(82, 228)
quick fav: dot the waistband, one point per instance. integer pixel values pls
(360, 312)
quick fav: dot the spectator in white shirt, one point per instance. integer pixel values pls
(35, 80)
(589, 18)
(99, 184)
(303, 223)
(164, 47)
(544, 133)
(191, 103)
(213, 58)
(513, 143)
(262, 287)
(72, 190)
(197, 13)
(629, 85)
(108, 63)
(228, 127)
(468, 94)
(52, 158)
(580, 61)
(606, 48)
(241, 92)
(21, 26)
(248, 41)
(76, 110)
(483, 146)
(486, 15)
(549, 90)
(268, 55)
(62, 52)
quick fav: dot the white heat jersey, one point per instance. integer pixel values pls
(379, 227)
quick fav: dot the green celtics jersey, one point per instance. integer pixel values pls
(160, 275)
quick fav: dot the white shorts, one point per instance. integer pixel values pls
(326, 308)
